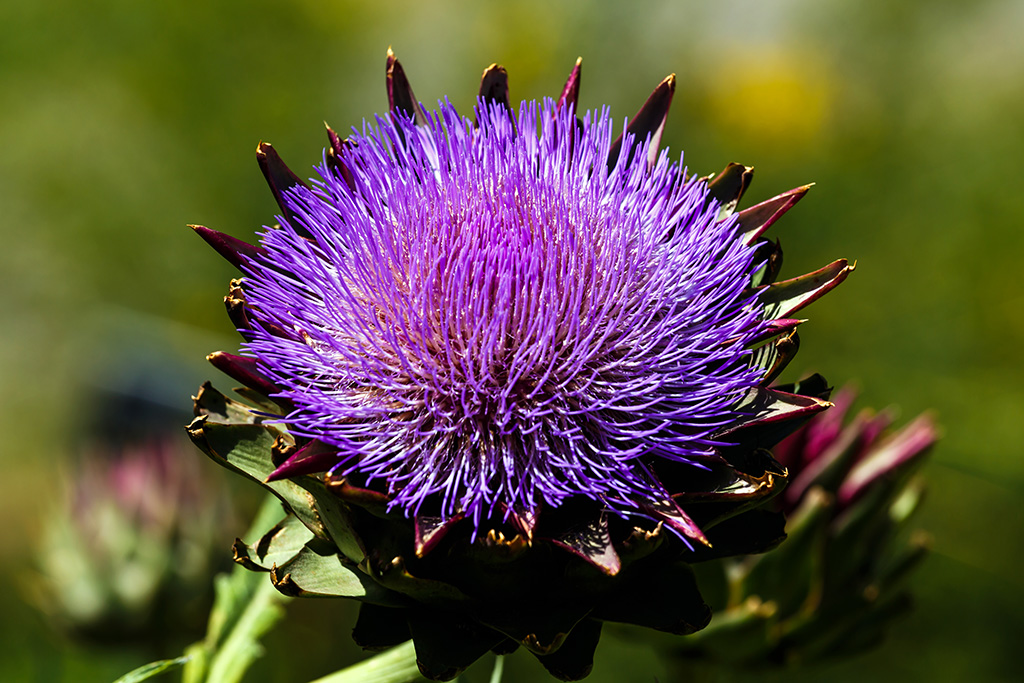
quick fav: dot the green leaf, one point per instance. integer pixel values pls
(198, 663)
(237, 440)
(233, 591)
(334, 515)
(860, 533)
(276, 547)
(899, 563)
(219, 408)
(312, 574)
(397, 665)
(247, 449)
(152, 669)
(499, 668)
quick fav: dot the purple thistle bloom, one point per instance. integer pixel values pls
(516, 372)
(495, 318)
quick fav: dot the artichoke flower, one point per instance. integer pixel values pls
(839, 579)
(510, 375)
(130, 556)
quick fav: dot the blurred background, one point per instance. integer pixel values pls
(124, 121)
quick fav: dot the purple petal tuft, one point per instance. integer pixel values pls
(484, 320)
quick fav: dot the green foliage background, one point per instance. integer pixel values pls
(122, 121)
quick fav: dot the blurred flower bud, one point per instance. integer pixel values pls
(837, 581)
(131, 554)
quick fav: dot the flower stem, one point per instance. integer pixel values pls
(247, 606)
(397, 665)
(240, 649)
(499, 669)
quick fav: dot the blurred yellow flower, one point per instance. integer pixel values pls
(779, 95)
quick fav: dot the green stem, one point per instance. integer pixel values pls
(241, 648)
(499, 669)
(397, 665)
(246, 607)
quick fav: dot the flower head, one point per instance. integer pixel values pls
(529, 337)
